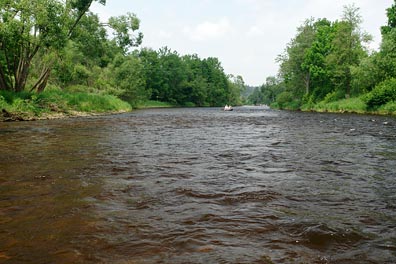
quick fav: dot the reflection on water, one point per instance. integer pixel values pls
(199, 186)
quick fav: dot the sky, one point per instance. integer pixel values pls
(245, 35)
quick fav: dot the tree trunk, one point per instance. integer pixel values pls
(42, 81)
(307, 81)
(4, 83)
(348, 83)
(21, 74)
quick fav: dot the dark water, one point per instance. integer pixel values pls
(199, 186)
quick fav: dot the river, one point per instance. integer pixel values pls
(199, 185)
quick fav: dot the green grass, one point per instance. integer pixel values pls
(351, 105)
(154, 104)
(388, 109)
(56, 101)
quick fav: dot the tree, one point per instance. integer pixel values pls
(391, 14)
(267, 93)
(297, 77)
(173, 75)
(237, 87)
(387, 55)
(218, 88)
(151, 70)
(29, 28)
(124, 27)
(315, 60)
(347, 49)
(196, 85)
(128, 78)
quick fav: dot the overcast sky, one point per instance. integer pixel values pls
(246, 35)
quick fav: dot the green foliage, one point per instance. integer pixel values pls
(188, 80)
(326, 67)
(333, 96)
(128, 78)
(85, 102)
(327, 62)
(307, 102)
(386, 61)
(154, 104)
(366, 75)
(284, 99)
(55, 101)
(124, 27)
(351, 105)
(388, 109)
(267, 93)
(31, 29)
(382, 94)
(391, 14)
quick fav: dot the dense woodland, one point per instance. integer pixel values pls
(61, 45)
(328, 61)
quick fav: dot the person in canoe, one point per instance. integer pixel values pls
(228, 108)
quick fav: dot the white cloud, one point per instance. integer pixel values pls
(165, 34)
(255, 31)
(208, 30)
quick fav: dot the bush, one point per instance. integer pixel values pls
(383, 93)
(284, 98)
(10, 96)
(334, 96)
(308, 102)
(80, 89)
(388, 109)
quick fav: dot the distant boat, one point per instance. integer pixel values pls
(228, 108)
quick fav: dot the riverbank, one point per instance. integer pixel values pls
(154, 104)
(57, 104)
(354, 105)
(351, 105)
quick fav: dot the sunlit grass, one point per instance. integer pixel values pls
(154, 104)
(47, 102)
(388, 109)
(351, 105)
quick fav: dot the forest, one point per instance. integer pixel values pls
(56, 55)
(328, 66)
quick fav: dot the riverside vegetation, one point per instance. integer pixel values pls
(57, 58)
(328, 67)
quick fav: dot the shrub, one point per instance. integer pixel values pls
(388, 108)
(308, 102)
(284, 98)
(334, 96)
(383, 93)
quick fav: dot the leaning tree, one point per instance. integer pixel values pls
(29, 28)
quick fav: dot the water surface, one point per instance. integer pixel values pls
(199, 186)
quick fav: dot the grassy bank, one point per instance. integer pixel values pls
(154, 104)
(53, 104)
(351, 105)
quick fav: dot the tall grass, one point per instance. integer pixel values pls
(33, 104)
(388, 109)
(351, 105)
(154, 104)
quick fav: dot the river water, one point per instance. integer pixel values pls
(199, 185)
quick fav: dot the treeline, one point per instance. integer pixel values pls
(328, 62)
(146, 74)
(61, 45)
